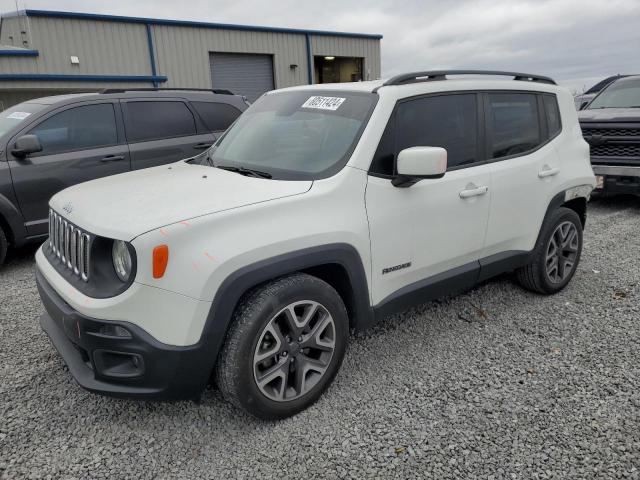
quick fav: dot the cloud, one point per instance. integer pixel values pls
(576, 42)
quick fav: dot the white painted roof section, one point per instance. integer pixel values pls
(452, 84)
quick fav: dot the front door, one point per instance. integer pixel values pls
(79, 143)
(434, 227)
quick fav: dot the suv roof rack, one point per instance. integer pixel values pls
(415, 77)
(219, 91)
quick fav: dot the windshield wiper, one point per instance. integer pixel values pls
(245, 171)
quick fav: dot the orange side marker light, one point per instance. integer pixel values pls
(160, 260)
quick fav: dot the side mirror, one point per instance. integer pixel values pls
(25, 145)
(583, 104)
(418, 163)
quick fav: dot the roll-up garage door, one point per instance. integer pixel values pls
(243, 73)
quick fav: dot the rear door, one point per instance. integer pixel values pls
(162, 131)
(80, 142)
(524, 166)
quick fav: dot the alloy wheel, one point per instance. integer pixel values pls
(294, 350)
(562, 252)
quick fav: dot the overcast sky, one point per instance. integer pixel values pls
(575, 42)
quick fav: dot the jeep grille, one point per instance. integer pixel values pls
(70, 245)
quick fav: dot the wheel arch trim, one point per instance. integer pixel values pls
(241, 281)
(11, 218)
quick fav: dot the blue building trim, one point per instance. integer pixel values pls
(81, 78)
(184, 23)
(152, 56)
(19, 52)
(309, 60)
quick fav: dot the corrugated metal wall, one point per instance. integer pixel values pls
(181, 52)
(369, 49)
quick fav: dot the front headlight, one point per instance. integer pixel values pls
(122, 262)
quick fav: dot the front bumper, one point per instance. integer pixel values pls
(104, 361)
(617, 180)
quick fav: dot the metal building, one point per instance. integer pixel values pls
(47, 52)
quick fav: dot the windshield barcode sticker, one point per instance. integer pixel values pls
(323, 103)
(19, 115)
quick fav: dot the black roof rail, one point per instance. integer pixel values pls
(219, 91)
(415, 77)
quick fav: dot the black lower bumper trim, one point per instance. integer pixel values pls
(126, 363)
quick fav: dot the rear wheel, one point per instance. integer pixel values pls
(4, 246)
(557, 253)
(284, 347)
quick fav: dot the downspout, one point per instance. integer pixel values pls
(152, 56)
(309, 60)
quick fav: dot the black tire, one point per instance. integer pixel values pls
(4, 246)
(234, 371)
(534, 276)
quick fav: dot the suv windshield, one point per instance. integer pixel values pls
(625, 93)
(11, 117)
(301, 135)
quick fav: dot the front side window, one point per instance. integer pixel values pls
(514, 127)
(157, 120)
(447, 121)
(78, 128)
(296, 135)
(624, 93)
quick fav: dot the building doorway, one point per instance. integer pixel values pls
(329, 69)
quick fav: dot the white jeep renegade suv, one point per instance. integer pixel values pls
(322, 209)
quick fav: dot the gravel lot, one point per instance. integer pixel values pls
(496, 383)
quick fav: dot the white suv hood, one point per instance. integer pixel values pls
(127, 205)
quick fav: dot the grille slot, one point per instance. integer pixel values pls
(609, 150)
(70, 244)
(612, 132)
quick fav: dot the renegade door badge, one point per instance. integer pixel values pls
(397, 267)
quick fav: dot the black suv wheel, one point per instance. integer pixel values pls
(557, 253)
(284, 347)
(4, 246)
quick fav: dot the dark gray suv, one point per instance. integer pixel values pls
(51, 143)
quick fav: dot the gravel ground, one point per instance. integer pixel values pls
(496, 383)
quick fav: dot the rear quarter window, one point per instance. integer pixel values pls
(552, 113)
(216, 116)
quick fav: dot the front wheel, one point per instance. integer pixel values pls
(284, 347)
(557, 253)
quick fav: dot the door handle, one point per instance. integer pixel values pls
(202, 146)
(112, 158)
(473, 191)
(547, 171)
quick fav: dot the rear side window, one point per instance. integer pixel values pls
(553, 114)
(216, 116)
(157, 120)
(78, 128)
(514, 126)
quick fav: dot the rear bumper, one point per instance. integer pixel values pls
(122, 363)
(618, 180)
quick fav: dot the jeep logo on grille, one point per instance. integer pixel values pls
(68, 208)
